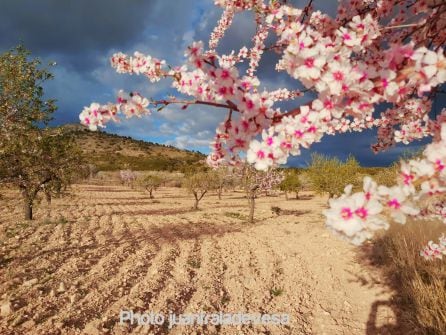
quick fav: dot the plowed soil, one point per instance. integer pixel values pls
(109, 248)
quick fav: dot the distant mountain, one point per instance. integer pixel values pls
(114, 152)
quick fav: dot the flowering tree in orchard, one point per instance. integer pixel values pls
(127, 177)
(255, 181)
(370, 53)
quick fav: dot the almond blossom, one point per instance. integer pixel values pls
(355, 217)
(434, 250)
(369, 55)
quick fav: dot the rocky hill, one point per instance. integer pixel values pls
(114, 152)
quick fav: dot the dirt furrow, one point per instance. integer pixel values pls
(98, 299)
(148, 283)
(178, 286)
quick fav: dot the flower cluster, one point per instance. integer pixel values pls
(138, 64)
(350, 87)
(239, 5)
(127, 176)
(259, 181)
(372, 53)
(270, 179)
(223, 24)
(356, 216)
(130, 105)
(434, 250)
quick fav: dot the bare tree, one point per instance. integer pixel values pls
(151, 183)
(199, 184)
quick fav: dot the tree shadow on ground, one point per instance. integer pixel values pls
(280, 212)
(167, 233)
(109, 190)
(153, 212)
(378, 324)
(129, 203)
(303, 197)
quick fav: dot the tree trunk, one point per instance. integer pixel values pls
(286, 196)
(151, 195)
(28, 207)
(196, 201)
(251, 200)
(48, 202)
(330, 196)
(220, 189)
(297, 195)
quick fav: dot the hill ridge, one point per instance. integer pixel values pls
(110, 151)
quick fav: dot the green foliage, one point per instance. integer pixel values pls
(330, 175)
(152, 181)
(292, 182)
(191, 169)
(276, 291)
(31, 158)
(113, 162)
(21, 93)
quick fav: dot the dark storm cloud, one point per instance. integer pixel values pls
(81, 35)
(72, 28)
(357, 145)
(78, 32)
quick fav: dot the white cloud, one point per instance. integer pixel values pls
(189, 142)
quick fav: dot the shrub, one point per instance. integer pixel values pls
(420, 285)
(387, 176)
(291, 183)
(330, 175)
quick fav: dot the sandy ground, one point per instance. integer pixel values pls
(115, 249)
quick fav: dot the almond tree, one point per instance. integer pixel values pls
(127, 177)
(269, 180)
(370, 54)
(151, 183)
(199, 184)
(42, 161)
(32, 158)
(291, 183)
(223, 178)
(91, 170)
(254, 182)
(330, 175)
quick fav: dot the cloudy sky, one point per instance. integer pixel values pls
(81, 35)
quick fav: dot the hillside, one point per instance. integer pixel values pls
(114, 152)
